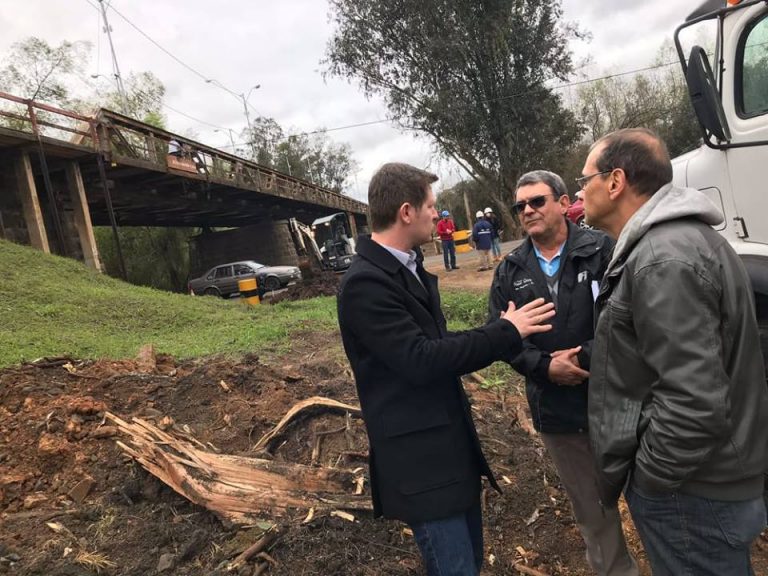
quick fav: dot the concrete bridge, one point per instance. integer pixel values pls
(61, 173)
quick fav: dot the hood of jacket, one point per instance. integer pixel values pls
(668, 203)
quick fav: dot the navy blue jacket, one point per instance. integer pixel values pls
(482, 232)
(555, 408)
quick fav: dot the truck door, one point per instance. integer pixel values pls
(746, 103)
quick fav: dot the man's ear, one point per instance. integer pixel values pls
(565, 202)
(617, 183)
(405, 213)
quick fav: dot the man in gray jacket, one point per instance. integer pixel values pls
(677, 400)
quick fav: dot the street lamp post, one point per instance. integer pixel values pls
(244, 98)
(231, 139)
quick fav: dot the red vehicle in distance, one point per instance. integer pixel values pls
(576, 212)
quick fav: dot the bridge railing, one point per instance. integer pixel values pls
(128, 140)
(44, 120)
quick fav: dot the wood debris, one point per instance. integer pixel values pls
(237, 488)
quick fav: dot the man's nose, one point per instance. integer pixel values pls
(528, 210)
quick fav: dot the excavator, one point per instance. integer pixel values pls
(327, 244)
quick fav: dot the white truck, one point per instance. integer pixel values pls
(730, 97)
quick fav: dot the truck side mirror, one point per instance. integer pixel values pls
(704, 95)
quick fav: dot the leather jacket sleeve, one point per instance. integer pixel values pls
(675, 308)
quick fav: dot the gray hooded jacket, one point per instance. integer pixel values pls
(677, 390)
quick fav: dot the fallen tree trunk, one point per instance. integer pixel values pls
(237, 488)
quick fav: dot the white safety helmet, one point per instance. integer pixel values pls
(479, 214)
(488, 211)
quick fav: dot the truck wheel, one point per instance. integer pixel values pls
(271, 283)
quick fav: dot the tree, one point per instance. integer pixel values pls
(37, 71)
(310, 157)
(471, 74)
(657, 99)
(156, 257)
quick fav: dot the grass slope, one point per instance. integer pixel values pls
(55, 306)
(51, 306)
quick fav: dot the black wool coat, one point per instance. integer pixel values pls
(425, 456)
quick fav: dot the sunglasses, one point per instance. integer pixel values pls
(536, 202)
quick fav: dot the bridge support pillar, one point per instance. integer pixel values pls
(82, 216)
(33, 216)
(352, 225)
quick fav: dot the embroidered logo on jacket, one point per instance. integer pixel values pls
(583, 276)
(522, 284)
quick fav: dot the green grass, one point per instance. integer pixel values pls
(464, 310)
(54, 306)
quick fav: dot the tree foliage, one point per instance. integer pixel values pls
(310, 157)
(657, 99)
(471, 74)
(35, 70)
(144, 94)
(156, 257)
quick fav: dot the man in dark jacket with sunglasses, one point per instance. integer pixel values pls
(564, 264)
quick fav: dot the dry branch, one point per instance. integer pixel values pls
(261, 544)
(234, 487)
(530, 571)
(524, 421)
(300, 410)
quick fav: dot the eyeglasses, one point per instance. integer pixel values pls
(536, 202)
(584, 180)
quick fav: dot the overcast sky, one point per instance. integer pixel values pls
(279, 45)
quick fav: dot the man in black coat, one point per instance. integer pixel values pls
(425, 456)
(564, 264)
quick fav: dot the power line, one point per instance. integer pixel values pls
(500, 98)
(159, 101)
(196, 72)
(218, 84)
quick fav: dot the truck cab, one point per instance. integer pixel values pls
(729, 93)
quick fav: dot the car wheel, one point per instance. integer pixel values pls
(211, 292)
(271, 283)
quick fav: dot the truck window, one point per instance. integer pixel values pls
(754, 70)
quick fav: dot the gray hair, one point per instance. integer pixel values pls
(551, 179)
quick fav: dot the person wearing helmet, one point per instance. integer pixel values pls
(495, 235)
(481, 236)
(445, 229)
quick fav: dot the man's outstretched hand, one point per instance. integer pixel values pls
(528, 319)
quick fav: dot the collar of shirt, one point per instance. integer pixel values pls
(549, 267)
(407, 259)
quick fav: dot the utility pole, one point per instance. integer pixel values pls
(115, 66)
(244, 98)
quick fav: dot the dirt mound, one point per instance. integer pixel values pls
(324, 283)
(72, 503)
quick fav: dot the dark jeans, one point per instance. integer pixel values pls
(452, 546)
(685, 535)
(449, 250)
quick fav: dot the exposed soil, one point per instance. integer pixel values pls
(71, 503)
(313, 284)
